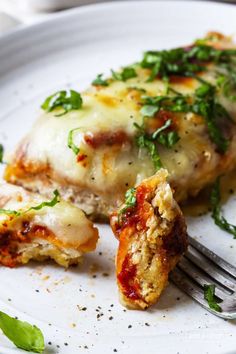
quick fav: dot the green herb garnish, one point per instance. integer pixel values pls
(22, 334)
(51, 203)
(68, 100)
(99, 81)
(217, 212)
(70, 142)
(161, 136)
(125, 74)
(226, 81)
(1, 153)
(143, 141)
(202, 102)
(209, 296)
(184, 61)
(130, 201)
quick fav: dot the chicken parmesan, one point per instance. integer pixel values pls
(152, 237)
(32, 228)
(174, 109)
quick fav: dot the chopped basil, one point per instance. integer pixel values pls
(216, 210)
(149, 111)
(130, 201)
(130, 197)
(202, 102)
(125, 74)
(68, 100)
(70, 142)
(1, 153)
(226, 81)
(51, 203)
(184, 61)
(99, 81)
(209, 296)
(168, 139)
(144, 141)
(149, 141)
(22, 334)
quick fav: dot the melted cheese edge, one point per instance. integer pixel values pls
(68, 223)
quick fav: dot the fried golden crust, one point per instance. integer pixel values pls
(152, 237)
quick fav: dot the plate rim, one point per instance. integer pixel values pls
(23, 28)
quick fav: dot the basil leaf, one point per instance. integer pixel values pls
(168, 139)
(125, 74)
(219, 219)
(55, 200)
(130, 201)
(99, 81)
(184, 61)
(143, 141)
(209, 296)
(51, 203)
(149, 111)
(130, 197)
(159, 130)
(70, 142)
(1, 153)
(22, 334)
(68, 100)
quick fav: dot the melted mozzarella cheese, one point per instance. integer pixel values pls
(109, 169)
(68, 223)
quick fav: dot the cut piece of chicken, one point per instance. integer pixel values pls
(34, 228)
(152, 237)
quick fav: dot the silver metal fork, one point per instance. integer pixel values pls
(200, 266)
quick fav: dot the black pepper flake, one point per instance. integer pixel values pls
(105, 274)
(94, 276)
(9, 300)
(37, 291)
(130, 163)
(110, 318)
(115, 350)
(231, 191)
(127, 184)
(112, 305)
(178, 298)
(100, 253)
(85, 347)
(49, 343)
(129, 326)
(147, 324)
(58, 346)
(84, 308)
(66, 344)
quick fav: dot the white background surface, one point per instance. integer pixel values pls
(69, 52)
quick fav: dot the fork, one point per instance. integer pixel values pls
(200, 266)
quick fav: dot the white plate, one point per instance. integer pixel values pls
(69, 51)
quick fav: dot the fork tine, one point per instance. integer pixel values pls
(210, 268)
(183, 282)
(227, 267)
(187, 285)
(199, 277)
